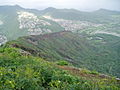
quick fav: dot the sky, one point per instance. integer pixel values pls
(83, 5)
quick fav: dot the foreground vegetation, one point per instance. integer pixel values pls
(21, 72)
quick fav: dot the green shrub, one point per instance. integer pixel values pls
(85, 71)
(94, 72)
(1, 50)
(62, 63)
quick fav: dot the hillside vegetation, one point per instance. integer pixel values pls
(59, 49)
(21, 72)
(97, 54)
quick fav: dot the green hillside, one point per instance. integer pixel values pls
(101, 53)
(19, 71)
(10, 26)
(59, 49)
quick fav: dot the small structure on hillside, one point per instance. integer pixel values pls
(3, 39)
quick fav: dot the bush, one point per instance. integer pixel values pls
(94, 72)
(62, 63)
(85, 71)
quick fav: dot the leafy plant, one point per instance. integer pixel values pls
(62, 63)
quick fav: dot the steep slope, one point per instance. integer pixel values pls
(25, 72)
(99, 52)
(95, 46)
(16, 21)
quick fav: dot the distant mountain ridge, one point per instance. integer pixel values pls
(9, 15)
(76, 20)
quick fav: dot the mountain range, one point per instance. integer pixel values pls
(100, 29)
(82, 40)
(23, 22)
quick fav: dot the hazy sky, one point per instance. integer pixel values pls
(77, 4)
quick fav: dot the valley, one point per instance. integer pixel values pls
(73, 25)
(33, 22)
(59, 49)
